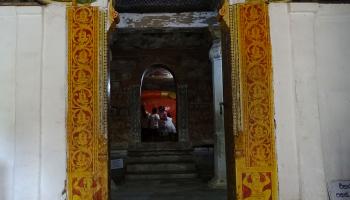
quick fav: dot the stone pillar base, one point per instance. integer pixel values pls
(217, 183)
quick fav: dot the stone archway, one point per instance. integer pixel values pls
(159, 90)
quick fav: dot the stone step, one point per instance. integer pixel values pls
(159, 159)
(144, 176)
(158, 146)
(160, 167)
(159, 152)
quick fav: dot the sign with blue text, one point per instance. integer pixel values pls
(339, 190)
(117, 164)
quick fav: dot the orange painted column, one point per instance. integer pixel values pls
(87, 158)
(255, 163)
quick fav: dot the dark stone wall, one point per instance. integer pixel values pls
(189, 63)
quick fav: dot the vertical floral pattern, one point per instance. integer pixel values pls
(258, 171)
(87, 144)
(252, 100)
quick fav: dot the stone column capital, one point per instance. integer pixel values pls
(215, 32)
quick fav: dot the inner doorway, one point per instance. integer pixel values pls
(170, 68)
(158, 105)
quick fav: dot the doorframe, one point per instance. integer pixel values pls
(87, 158)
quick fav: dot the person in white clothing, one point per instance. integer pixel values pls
(170, 127)
(154, 124)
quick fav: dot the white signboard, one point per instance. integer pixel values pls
(117, 164)
(339, 190)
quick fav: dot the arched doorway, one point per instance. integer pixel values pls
(158, 105)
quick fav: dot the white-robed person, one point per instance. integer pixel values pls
(154, 124)
(170, 127)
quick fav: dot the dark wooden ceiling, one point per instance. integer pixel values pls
(161, 6)
(165, 6)
(13, 1)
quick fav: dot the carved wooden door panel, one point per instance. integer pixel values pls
(249, 114)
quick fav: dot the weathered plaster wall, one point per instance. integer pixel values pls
(32, 111)
(333, 57)
(170, 20)
(311, 52)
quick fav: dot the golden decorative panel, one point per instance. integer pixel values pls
(252, 101)
(87, 157)
(77, 1)
(257, 168)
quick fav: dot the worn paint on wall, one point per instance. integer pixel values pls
(170, 20)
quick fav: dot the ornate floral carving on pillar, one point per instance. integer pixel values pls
(255, 169)
(87, 157)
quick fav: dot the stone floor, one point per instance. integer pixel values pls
(180, 189)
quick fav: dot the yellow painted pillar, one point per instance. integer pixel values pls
(87, 156)
(254, 163)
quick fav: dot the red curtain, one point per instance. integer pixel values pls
(155, 98)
